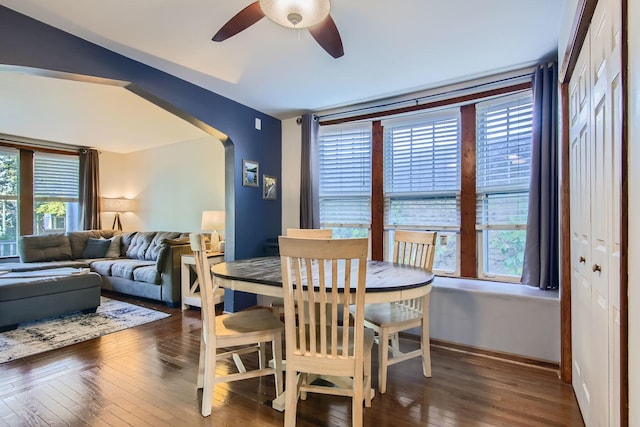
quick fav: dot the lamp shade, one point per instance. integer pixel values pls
(212, 220)
(118, 205)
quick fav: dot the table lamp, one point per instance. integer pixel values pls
(213, 221)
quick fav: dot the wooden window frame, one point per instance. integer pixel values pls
(468, 256)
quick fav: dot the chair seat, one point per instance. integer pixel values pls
(245, 322)
(390, 314)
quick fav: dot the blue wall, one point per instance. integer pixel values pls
(30, 43)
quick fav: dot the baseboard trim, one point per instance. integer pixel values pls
(508, 357)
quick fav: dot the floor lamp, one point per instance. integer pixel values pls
(117, 206)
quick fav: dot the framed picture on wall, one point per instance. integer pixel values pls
(269, 187)
(250, 173)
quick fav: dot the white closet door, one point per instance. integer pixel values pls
(580, 192)
(595, 162)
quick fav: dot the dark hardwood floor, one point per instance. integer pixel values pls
(145, 376)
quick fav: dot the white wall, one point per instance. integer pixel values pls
(172, 184)
(291, 152)
(570, 9)
(634, 212)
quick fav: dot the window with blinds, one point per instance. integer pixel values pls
(55, 192)
(8, 202)
(345, 179)
(503, 162)
(422, 179)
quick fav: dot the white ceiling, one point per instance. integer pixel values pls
(391, 48)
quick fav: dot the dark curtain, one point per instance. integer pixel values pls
(309, 207)
(89, 189)
(541, 257)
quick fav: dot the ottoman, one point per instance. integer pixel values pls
(34, 295)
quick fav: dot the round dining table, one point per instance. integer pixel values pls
(386, 281)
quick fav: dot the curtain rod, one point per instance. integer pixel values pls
(19, 144)
(416, 100)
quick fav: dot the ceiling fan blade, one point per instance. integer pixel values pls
(326, 34)
(241, 21)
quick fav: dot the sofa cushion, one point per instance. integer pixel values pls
(102, 266)
(96, 248)
(114, 247)
(125, 267)
(158, 243)
(78, 239)
(139, 244)
(125, 241)
(48, 247)
(147, 274)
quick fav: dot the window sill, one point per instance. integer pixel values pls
(491, 287)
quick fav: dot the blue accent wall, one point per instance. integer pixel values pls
(29, 43)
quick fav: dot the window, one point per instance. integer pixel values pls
(345, 179)
(8, 202)
(503, 165)
(422, 180)
(421, 174)
(55, 193)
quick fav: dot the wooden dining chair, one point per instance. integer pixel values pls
(277, 304)
(233, 334)
(326, 273)
(414, 248)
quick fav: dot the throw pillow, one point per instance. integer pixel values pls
(114, 247)
(96, 248)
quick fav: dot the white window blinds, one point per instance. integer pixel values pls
(345, 175)
(55, 177)
(503, 154)
(422, 170)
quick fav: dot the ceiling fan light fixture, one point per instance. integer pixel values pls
(296, 13)
(294, 18)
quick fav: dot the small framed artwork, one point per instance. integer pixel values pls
(269, 187)
(250, 173)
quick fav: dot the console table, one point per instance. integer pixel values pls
(189, 280)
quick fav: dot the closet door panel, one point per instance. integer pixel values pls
(580, 167)
(601, 199)
(580, 193)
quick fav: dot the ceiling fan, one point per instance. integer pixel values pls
(312, 15)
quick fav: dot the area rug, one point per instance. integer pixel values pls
(60, 331)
